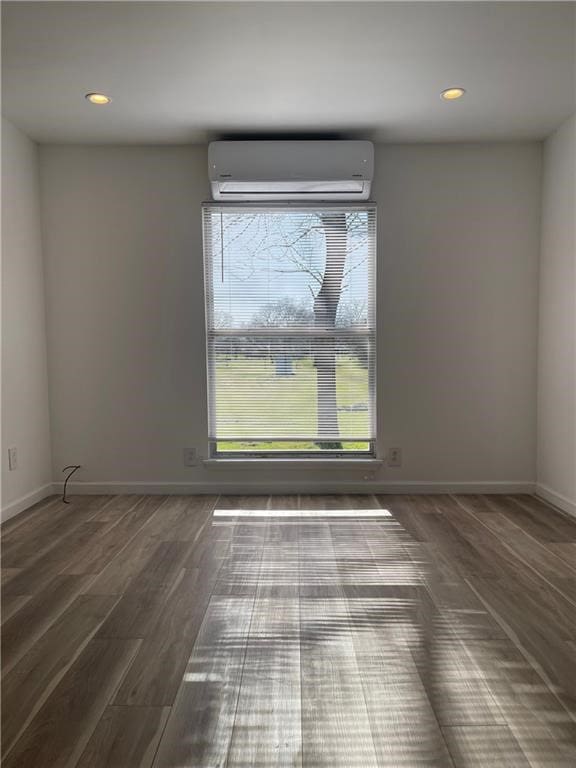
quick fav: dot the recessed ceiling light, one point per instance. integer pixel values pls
(98, 98)
(452, 93)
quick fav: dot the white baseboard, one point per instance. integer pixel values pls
(487, 486)
(19, 505)
(562, 502)
(284, 487)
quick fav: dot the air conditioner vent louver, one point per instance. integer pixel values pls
(290, 170)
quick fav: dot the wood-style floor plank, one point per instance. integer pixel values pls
(199, 730)
(539, 717)
(34, 512)
(539, 519)
(458, 612)
(125, 737)
(123, 570)
(136, 614)
(8, 574)
(52, 561)
(386, 616)
(240, 571)
(97, 553)
(22, 630)
(309, 631)
(28, 683)
(58, 733)
(395, 701)
(521, 690)
(39, 535)
(538, 626)
(547, 745)
(156, 672)
(267, 726)
(491, 746)
(20, 530)
(336, 729)
(458, 695)
(161, 569)
(524, 546)
(11, 604)
(117, 507)
(566, 552)
(177, 519)
(180, 518)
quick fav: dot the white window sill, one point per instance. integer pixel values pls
(334, 463)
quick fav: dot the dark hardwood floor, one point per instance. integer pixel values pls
(332, 631)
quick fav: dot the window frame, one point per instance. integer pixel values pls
(321, 455)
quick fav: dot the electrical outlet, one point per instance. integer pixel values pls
(190, 457)
(395, 457)
(12, 459)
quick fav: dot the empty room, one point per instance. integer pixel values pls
(288, 384)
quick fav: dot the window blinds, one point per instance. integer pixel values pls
(290, 318)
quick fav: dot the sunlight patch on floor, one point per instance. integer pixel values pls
(355, 513)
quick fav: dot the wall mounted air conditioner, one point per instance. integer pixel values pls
(290, 170)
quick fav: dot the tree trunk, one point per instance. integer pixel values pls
(325, 309)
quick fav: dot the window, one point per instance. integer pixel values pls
(290, 312)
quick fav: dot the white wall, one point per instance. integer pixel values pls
(557, 331)
(25, 420)
(458, 250)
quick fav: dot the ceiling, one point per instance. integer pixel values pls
(183, 72)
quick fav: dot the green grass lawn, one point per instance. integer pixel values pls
(251, 397)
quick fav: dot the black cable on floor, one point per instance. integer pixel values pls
(73, 467)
